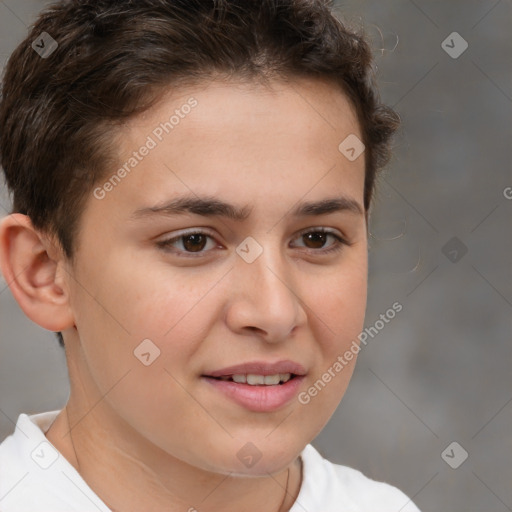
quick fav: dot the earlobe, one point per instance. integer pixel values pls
(33, 274)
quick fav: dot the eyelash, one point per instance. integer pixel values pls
(166, 244)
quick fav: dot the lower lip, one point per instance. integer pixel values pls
(258, 398)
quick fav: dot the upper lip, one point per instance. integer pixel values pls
(260, 368)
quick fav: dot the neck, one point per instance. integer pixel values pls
(126, 482)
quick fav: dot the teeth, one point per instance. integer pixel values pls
(271, 380)
(255, 379)
(258, 380)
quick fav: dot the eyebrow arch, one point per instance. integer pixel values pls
(208, 206)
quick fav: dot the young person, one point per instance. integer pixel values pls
(191, 185)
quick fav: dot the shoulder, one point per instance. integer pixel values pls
(35, 477)
(328, 487)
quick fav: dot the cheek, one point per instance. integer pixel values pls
(343, 301)
(136, 343)
(142, 298)
(127, 303)
(339, 319)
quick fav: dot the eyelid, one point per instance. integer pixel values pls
(165, 244)
(341, 240)
(327, 231)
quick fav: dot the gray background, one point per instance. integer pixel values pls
(440, 371)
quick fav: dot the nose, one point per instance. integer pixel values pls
(264, 298)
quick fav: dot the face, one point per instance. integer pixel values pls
(171, 286)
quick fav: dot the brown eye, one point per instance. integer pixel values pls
(187, 244)
(195, 242)
(316, 238)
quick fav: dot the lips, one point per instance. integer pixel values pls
(254, 395)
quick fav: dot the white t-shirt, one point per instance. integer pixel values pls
(35, 477)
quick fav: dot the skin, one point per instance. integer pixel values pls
(158, 437)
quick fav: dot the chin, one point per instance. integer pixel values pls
(252, 461)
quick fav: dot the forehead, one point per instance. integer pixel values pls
(298, 102)
(243, 140)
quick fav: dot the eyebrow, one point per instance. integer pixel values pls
(213, 207)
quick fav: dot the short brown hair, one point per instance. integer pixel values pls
(113, 60)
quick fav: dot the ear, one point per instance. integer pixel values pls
(33, 267)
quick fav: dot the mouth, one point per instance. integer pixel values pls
(259, 386)
(252, 379)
